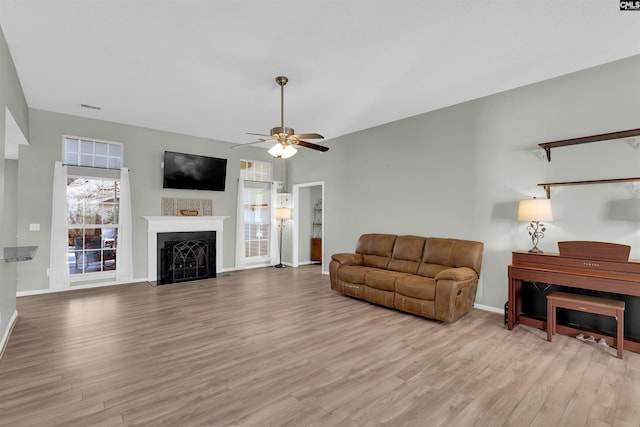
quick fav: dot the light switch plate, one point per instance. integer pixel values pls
(34, 227)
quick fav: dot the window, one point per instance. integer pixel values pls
(256, 223)
(255, 171)
(92, 153)
(92, 206)
(256, 215)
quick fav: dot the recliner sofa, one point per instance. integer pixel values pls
(428, 276)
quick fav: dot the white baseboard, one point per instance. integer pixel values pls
(488, 308)
(75, 288)
(7, 332)
(260, 265)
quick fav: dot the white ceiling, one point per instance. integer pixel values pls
(207, 67)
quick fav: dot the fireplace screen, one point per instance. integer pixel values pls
(186, 256)
(188, 260)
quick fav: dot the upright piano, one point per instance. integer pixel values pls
(582, 267)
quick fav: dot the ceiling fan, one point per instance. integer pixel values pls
(285, 137)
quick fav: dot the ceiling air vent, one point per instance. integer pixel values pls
(92, 107)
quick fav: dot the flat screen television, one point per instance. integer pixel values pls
(194, 172)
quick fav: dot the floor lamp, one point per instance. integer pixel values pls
(282, 214)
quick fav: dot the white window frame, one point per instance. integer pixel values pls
(252, 204)
(256, 175)
(112, 159)
(85, 227)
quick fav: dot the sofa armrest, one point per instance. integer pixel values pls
(456, 274)
(347, 259)
(455, 293)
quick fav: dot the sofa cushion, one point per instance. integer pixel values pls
(453, 253)
(353, 273)
(376, 249)
(430, 270)
(407, 253)
(417, 287)
(382, 279)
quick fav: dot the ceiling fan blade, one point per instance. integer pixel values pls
(309, 145)
(259, 134)
(261, 141)
(309, 136)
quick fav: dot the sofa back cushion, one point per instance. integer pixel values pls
(442, 253)
(376, 249)
(407, 253)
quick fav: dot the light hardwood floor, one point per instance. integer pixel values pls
(276, 347)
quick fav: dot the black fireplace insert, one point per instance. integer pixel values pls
(185, 256)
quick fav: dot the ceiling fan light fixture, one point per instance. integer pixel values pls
(281, 151)
(289, 151)
(276, 151)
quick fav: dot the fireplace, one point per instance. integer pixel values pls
(186, 256)
(159, 225)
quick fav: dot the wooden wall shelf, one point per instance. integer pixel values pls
(547, 186)
(586, 139)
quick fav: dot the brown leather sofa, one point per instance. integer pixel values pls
(427, 276)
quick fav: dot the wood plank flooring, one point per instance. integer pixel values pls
(276, 347)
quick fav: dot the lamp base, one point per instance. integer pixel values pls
(279, 266)
(535, 250)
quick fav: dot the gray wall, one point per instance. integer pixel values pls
(143, 153)
(305, 214)
(459, 172)
(11, 98)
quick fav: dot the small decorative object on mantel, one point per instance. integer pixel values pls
(189, 212)
(186, 207)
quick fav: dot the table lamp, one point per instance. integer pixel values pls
(535, 210)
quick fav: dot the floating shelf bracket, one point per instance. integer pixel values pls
(586, 139)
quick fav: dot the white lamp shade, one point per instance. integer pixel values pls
(276, 150)
(535, 210)
(289, 151)
(280, 151)
(283, 213)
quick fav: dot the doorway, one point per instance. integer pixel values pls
(308, 222)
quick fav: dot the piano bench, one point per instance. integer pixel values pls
(589, 304)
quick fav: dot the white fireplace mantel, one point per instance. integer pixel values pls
(168, 224)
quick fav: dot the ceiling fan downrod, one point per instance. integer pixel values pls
(282, 131)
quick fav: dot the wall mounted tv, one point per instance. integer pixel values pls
(193, 172)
